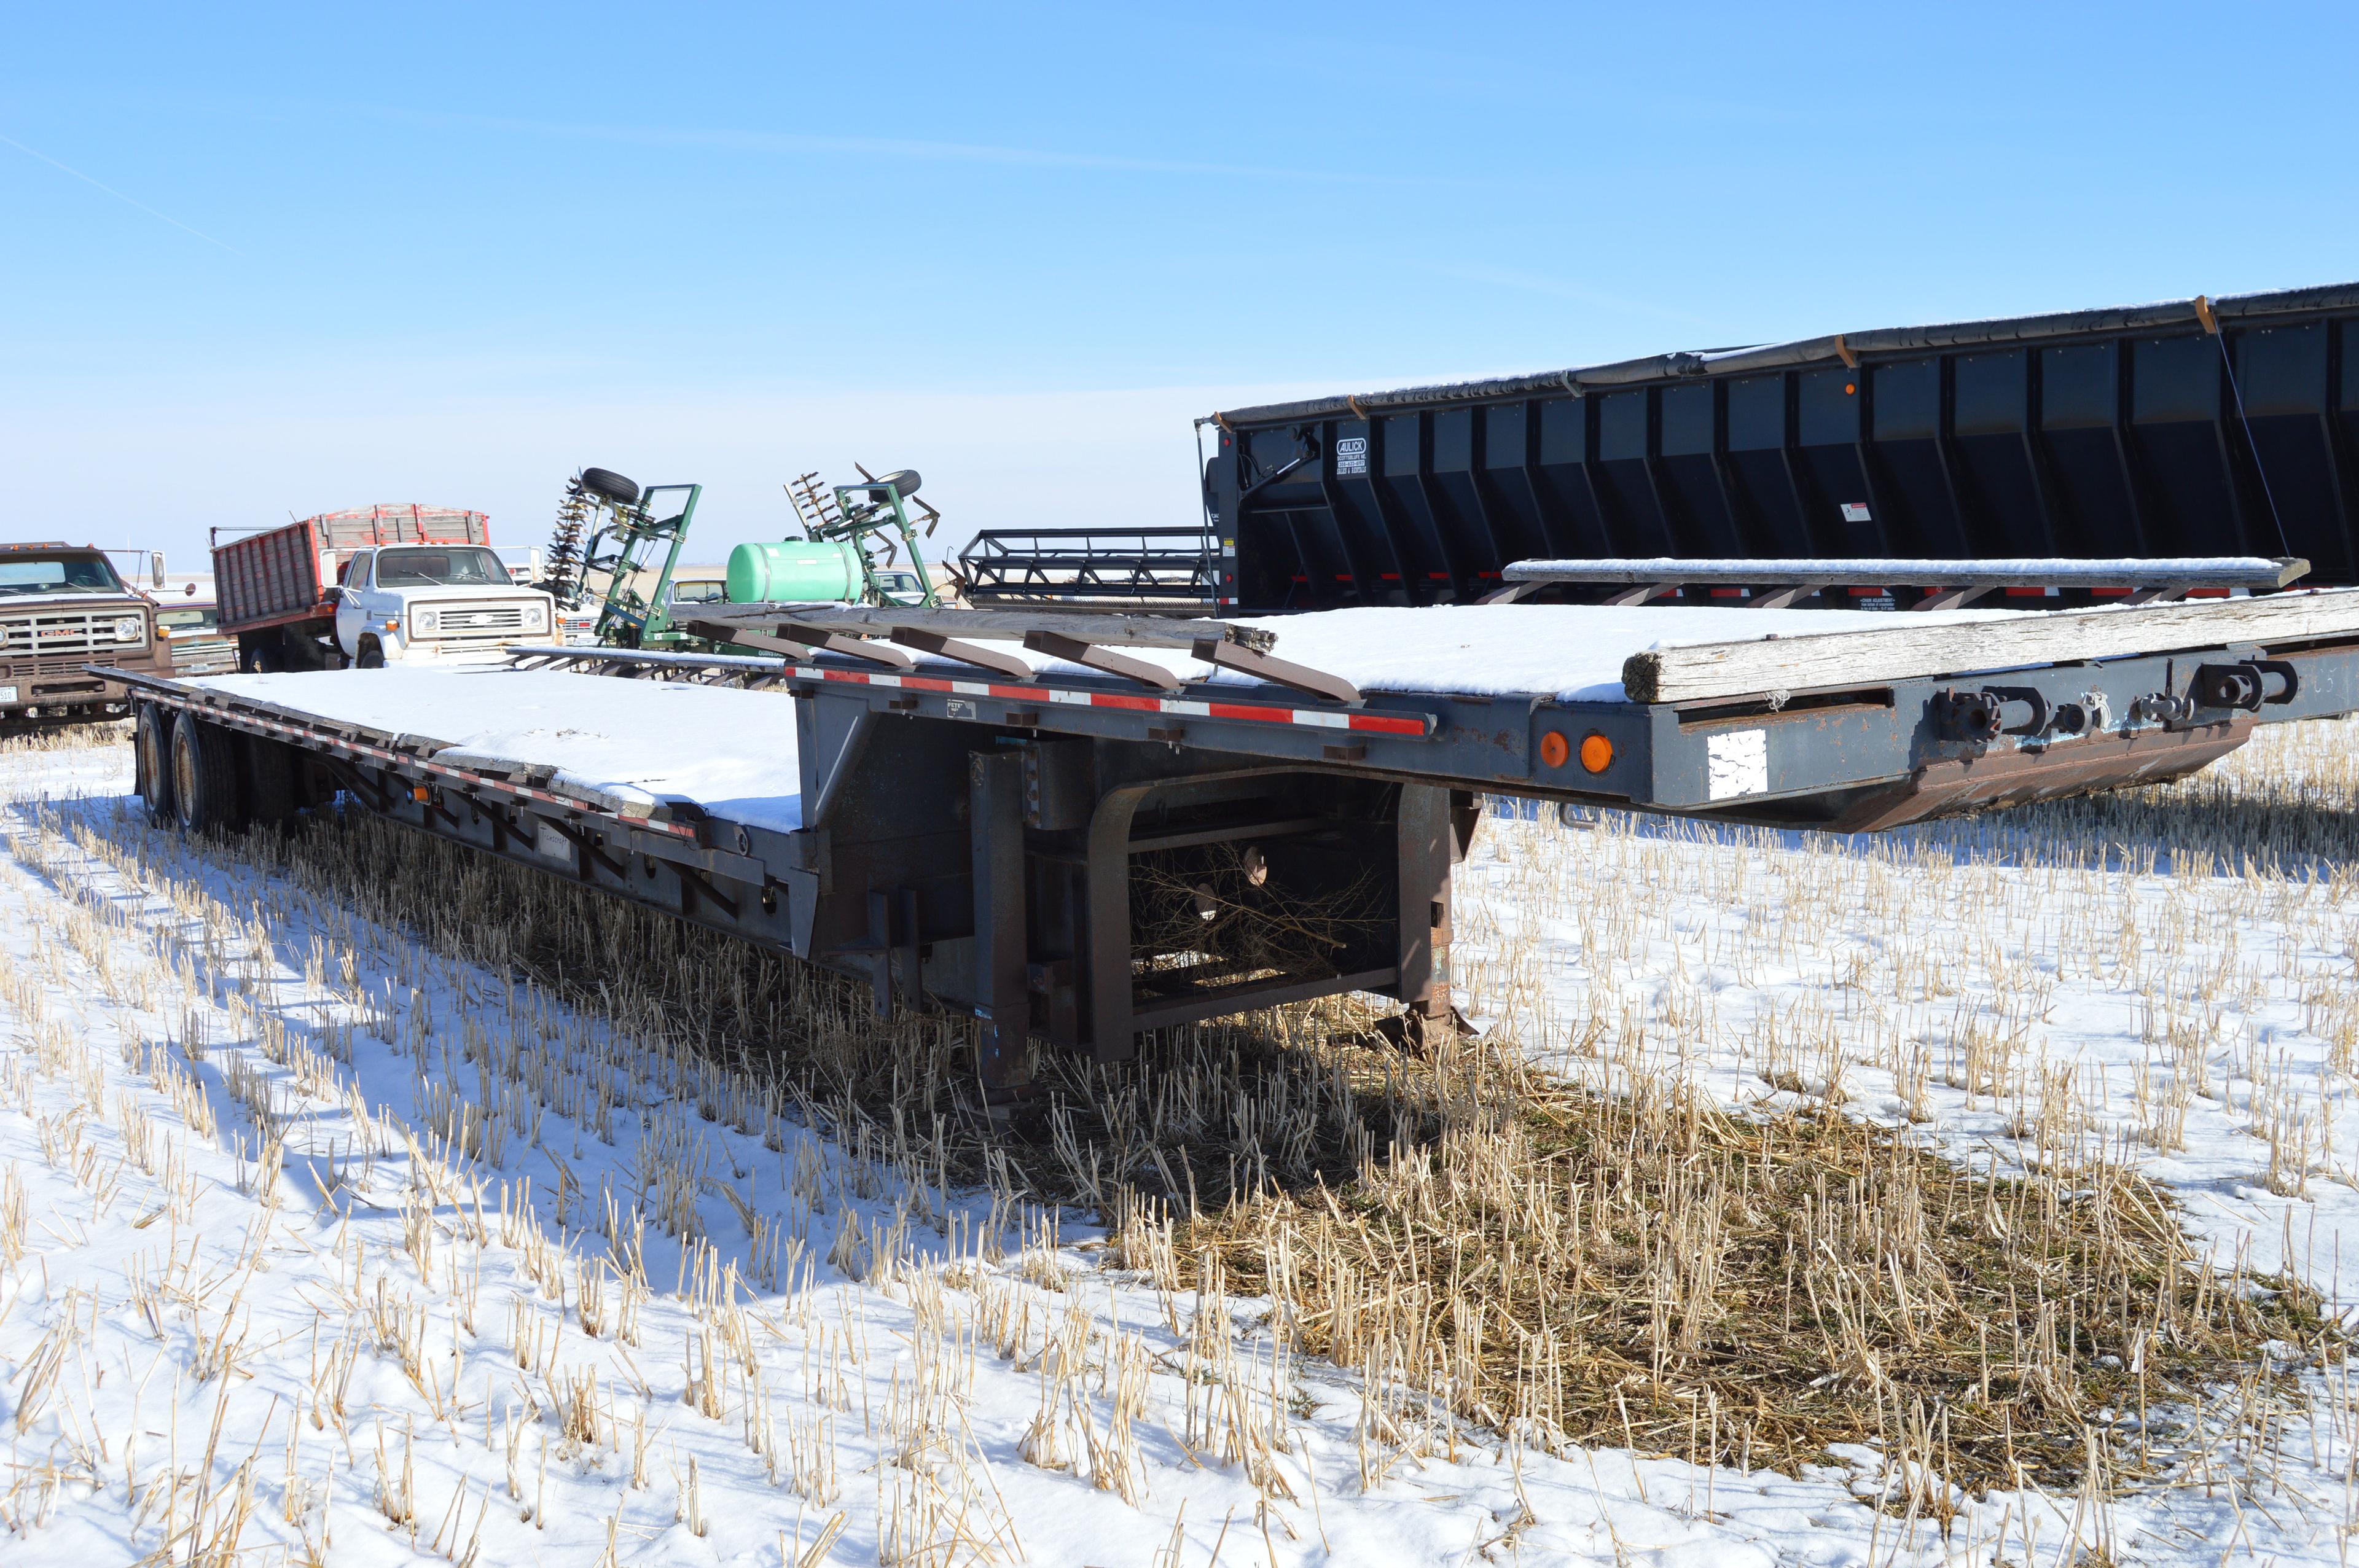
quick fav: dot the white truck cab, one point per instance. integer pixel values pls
(412, 603)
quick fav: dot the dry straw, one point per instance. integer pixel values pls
(1595, 1253)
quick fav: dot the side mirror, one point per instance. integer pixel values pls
(156, 574)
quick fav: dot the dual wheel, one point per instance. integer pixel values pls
(200, 778)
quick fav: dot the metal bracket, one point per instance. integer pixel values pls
(1090, 656)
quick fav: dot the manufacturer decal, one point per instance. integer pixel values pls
(1856, 512)
(1351, 455)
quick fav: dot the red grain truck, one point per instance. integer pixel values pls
(371, 585)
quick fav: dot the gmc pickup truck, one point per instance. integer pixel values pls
(62, 607)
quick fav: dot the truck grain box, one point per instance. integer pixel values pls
(370, 584)
(2203, 427)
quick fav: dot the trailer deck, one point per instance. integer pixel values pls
(1087, 827)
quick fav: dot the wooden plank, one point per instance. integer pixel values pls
(2178, 571)
(1910, 648)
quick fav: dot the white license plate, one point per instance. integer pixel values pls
(8, 694)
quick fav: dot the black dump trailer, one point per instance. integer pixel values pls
(2191, 427)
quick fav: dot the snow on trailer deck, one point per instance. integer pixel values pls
(730, 752)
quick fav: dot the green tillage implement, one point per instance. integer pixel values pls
(810, 569)
(627, 621)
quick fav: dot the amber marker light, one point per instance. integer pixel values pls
(1555, 750)
(1596, 753)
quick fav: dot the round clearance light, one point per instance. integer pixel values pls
(1555, 749)
(1596, 753)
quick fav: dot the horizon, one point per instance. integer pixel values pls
(305, 262)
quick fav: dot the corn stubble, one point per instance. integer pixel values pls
(1591, 1254)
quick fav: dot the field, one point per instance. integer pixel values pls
(1973, 1195)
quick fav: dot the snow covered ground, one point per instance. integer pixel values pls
(316, 1247)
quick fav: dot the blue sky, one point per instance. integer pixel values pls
(262, 260)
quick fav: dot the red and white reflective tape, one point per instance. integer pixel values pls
(480, 781)
(1416, 725)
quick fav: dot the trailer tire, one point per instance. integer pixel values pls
(371, 656)
(272, 792)
(204, 777)
(610, 484)
(152, 749)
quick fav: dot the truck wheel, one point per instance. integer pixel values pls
(270, 784)
(610, 484)
(371, 656)
(262, 659)
(152, 746)
(204, 777)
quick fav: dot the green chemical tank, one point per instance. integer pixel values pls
(796, 571)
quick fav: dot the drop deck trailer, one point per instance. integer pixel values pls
(976, 834)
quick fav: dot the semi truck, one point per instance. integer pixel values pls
(61, 606)
(369, 586)
(1081, 829)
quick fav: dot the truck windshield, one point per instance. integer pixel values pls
(58, 574)
(439, 565)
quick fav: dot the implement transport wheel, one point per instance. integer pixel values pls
(152, 749)
(905, 481)
(610, 484)
(204, 777)
(272, 791)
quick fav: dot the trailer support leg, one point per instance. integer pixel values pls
(1112, 1028)
(1427, 836)
(1002, 959)
(893, 937)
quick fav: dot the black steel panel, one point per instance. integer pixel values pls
(1839, 506)
(1565, 480)
(2283, 373)
(1508, 482)
(1690, 467)
(1913, 467)
(1759, 466)
(2103, 433)
(2187, 488)
(1625, 487)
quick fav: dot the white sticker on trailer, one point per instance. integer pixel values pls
(1738, 763)
(1351, 455)
(8, 694)
(551, 844)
